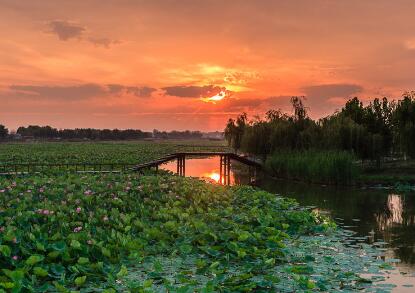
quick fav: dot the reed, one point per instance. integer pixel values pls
(328, 167)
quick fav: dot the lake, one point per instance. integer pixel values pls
(380, 215)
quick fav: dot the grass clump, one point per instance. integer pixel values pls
(329, 167)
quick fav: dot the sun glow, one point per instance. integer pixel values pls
(216, 98)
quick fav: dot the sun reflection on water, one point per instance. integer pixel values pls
(214, 175)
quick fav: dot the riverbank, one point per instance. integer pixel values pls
(340, 168)
(389, 174)
(166, 233)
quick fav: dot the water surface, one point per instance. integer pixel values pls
(378, 215)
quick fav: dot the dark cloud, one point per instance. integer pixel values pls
(79, 92)
(66, 30)
(323, 99)
(326, 91)
(103, 42)
(252, 104)
(82, 91)
(194, 91)
(234, 104)
(141, 92)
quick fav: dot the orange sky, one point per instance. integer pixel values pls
(153, 64)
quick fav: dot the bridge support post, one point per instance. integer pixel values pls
(225, 170)
(220, 170)
(229, 170)
(181, 165)
(184, 165)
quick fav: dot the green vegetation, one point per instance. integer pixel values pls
(373, 134)
(48, 132)
(332, 167)
(130, 152)
(3, 132)
(163, 233)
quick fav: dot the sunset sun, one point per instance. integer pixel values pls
(216, 98)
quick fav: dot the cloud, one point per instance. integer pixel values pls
(194, 91)
(257, 104)
(60, 92)
(103, 41)
(241, 104)
(240, 77)
(141, 92)
(66, 30)
(324, 98)
(325, 91)
(78, 92)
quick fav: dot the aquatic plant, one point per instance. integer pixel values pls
(331, 167)
(153, 233)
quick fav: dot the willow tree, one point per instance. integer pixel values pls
(234, 131)
(404, 124)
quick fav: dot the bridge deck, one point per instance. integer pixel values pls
(171, 157)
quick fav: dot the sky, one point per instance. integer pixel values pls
(193, 64)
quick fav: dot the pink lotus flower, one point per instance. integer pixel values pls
(15, 257)
(88, 192)
(78, 209)
(2, 190)
(77, 229)
(44, 212)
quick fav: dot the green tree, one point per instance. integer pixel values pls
(404, 124)
(3, 132)
(234, 131)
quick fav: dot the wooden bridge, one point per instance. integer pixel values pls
(225, 162)
(180, 157)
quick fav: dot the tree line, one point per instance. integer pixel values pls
(48, 132)
(383, 128)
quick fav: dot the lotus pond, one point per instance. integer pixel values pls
(127, 152)
(164, 233)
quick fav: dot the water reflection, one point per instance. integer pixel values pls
(393, 213)
(208, 168)
(215, 176)
(378, 215)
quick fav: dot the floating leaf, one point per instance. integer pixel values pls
(79, 281)
(40, 272)
(34, 259)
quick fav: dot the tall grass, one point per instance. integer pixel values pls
(329, 167)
